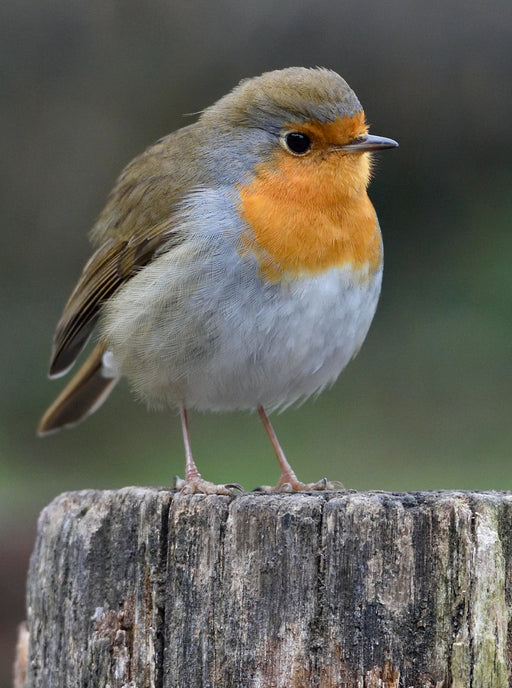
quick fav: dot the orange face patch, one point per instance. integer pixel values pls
(337, 133)
(309, 213)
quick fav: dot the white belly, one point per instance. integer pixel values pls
(208, 333)
(276, 353)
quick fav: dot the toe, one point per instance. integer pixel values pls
(298, 486)
(200, 486)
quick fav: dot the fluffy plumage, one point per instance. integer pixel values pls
(230, 272)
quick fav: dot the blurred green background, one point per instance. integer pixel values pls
(87, 85)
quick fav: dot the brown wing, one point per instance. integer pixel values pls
(135, 223)
(114, 262)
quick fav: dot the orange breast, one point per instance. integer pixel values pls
(311, 213)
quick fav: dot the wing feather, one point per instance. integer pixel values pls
(112, 264)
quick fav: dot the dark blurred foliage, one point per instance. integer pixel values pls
(86, 86)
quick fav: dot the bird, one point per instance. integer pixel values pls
(237, 263)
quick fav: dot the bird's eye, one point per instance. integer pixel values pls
(296, 142)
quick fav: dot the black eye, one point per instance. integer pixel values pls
(297, 142)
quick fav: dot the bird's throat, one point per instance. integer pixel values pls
(305, 219)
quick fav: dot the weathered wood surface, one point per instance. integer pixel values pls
(145, 588)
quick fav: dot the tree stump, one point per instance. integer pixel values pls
(148, 588)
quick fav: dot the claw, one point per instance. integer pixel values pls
(200, 486)
(325, 484)
(297, 486)
(235, 487)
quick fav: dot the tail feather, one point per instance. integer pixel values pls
(84, 394)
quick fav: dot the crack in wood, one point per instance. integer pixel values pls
(147, 588)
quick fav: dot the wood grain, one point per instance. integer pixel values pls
(149, 588)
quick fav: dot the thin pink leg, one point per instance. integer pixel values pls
(191, 472)
(287, 472)
(193, 481)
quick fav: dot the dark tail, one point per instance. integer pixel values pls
(84, 394)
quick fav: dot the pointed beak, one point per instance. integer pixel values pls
(368, 143)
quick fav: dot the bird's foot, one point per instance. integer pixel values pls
(291, 484)
(197, 485)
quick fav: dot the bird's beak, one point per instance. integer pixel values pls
(368, 143)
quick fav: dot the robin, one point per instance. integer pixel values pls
(238, 262)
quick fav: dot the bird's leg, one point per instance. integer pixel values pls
(288, 476)
(191, 472)
(288, 480)
(193, 481)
